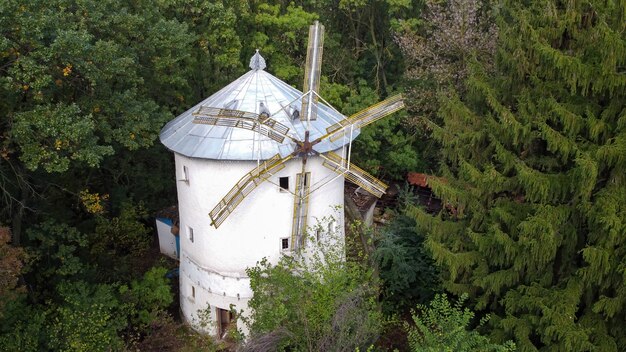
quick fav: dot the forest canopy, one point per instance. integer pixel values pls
(516, 114)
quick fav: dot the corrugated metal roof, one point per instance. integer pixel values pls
(247, 93)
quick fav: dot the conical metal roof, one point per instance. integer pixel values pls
(256, 91)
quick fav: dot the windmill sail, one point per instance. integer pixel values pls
(312, 72)
(245, 185)
(354, 174)
(300, 209)
(262, 124)
(366, 116)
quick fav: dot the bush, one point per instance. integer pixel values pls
(441, 326)
(405, 265)
(148, 297)
(315, 300)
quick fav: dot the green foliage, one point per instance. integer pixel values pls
(148, 297)
(383, 148)
(437, 49)
(77, 311)
(215, 44)
(405, 265)
(362, 41)
(87, 89)
(83, 88)
(80, 90)
(87, 85)
(278, 34)
(57, 253)
(120, 240)
(88, 319)
(46, 140)
(533, 175)
(124, 234)
(313, 301)
(22, 328)
(441, 326)
(84, 316)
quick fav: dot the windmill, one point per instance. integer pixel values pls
(303, 148)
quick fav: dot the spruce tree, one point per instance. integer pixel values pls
(533, 174)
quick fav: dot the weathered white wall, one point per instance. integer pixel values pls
(211, 290)
(216, 261)
(167, 240)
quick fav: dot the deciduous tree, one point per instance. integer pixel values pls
(438, 48)
(11, 263)
(313, 301)
(442, 326)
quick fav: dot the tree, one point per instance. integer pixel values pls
(89, 319)
(120, 243)
(437, 50)
(405, 265)
(216, 38)
(384, 148)
(22, 328)
(59, 253)
(533, 173)
(80, 90)
(312, 301)
(362, 32)
(147, 298)
(279, 31)
(80, 83)
(441, 326)
(11, 263)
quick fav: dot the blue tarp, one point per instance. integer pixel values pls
(166, 221)
(178, 247)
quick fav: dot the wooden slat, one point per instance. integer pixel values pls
(355, 174)
(366, 116)
(245, 186)
(300, 210)
(262, 124)
(312, 72)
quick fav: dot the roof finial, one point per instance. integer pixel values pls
(257, 62)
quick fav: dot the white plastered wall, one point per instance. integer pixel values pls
(215, 262)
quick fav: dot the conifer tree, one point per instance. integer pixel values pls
(533, 173)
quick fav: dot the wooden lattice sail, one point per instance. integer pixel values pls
(300, 209)
(262, 123)
(354, 174)
(366, 116)
(245, 185)
(312, 73)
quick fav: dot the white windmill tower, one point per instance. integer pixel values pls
(283, 150)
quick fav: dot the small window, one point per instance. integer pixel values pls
(185, 174)
(284, 243)
(318, 233)
(283, 182)
(193, 291)
(331, 227)
(190, 233)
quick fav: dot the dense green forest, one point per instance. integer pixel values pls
(517, 110)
